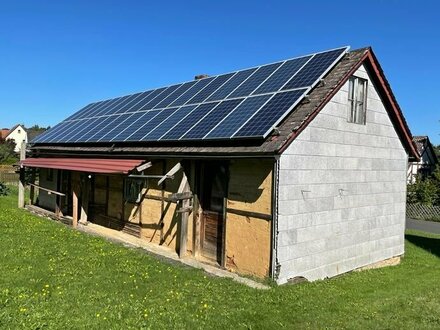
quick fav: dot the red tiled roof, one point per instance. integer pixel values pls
(4, 132)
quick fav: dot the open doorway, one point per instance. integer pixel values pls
(213, 191)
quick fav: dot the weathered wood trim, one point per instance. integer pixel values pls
(250, 214)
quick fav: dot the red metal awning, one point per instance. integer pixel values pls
(91, 165)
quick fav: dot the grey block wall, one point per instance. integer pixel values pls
(342, 192)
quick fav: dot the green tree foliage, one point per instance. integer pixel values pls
(437, 150)
(7, 153)
(425, 190)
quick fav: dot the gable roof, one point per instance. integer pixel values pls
(14, 128)
(286, 131)
(423, 143)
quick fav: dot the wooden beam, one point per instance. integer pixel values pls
(143, 167)
(21, 182)
(250, 214)
(170, 173)
(50, 191)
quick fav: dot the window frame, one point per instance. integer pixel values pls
(133, 196)
(354, 104)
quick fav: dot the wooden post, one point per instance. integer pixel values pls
(184, 187)
(84, 200)
(21, 183)
(195, 210)
(75, 204)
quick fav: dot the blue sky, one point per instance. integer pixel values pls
(57, 56)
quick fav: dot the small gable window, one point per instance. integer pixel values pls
(357, 99)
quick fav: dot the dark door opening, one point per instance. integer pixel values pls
(213, 193)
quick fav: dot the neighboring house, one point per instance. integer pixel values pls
(3, 133)
(292, 169)
(18, 134)
(428, 159)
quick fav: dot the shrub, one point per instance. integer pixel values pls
(4, 189)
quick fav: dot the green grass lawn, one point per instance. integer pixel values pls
(58, 278)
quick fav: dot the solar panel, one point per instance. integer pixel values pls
(103, 110)
(239, 105)
(232, 84)
(314, 69)
(282, 75)
(171, 98)
(90, 134)
(209, 89)
(211, 119)
(160, 97)
(231, 123)
(82, 111)
(255, 80)
(268, 116)
(123, 121)
(66, 131)
(192, 91)
(91, 111)
(184, 126)
(167, 124)
(152, 124)
(137, 121)
(85, 127)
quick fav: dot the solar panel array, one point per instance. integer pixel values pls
(238, 105)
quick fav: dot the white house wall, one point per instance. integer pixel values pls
(18, 135)
(342, 191)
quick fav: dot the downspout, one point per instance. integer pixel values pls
(274, 269)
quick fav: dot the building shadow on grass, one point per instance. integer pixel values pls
(429, 244)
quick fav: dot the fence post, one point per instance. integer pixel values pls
(22, 178)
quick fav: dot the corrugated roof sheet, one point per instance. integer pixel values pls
(92, 165)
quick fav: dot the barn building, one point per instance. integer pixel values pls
(292, 169)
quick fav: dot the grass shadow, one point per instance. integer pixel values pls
(429, 244)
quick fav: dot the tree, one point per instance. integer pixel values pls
(7, 153)
(437, 150)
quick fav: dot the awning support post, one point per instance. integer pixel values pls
(21, 182)
(32, 187)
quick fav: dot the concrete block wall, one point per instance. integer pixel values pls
(342, 192)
